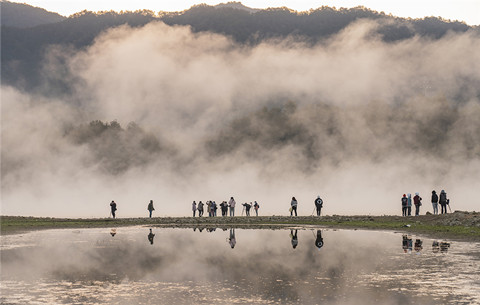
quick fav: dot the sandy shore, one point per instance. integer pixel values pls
(457, 225)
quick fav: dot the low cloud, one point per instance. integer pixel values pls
(354, 119)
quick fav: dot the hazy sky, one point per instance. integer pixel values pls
(462, 10)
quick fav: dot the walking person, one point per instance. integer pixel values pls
(256, 206)
(231, 204)
(404, 205)
(200, 208)
(293, 206)
(409, 204)
(150, 208)
(443, 201)
(113, 208)
(318, 205)
(194, 207)
(435, 202)
(417, 200)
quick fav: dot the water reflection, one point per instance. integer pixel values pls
(150, 237)
(191, 268)
(407, 243)
(319, 240)
(113, 232)
(231, 239)
(294, 238)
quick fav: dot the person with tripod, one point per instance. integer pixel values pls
(318, 205)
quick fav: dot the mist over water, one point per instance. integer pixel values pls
(184, 266)
(199, 117)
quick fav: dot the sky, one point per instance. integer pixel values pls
(461, 10)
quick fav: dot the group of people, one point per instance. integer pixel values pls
(211, 207)
(408, 245)
(417, 201)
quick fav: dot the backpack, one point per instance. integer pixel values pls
(319, 201)
(404, 201)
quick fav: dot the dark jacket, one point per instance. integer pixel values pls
(434, 198)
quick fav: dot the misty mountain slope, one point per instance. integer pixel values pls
(23, 50)
(25, 16)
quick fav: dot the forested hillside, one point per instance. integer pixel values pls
(23, 49)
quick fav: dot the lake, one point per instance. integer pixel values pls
(294, 265)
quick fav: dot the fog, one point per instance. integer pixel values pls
(353, 119)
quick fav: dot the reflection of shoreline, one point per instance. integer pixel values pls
(435, 226)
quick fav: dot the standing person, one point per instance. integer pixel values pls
(409, 204)
(150, 208)
(113, 208)
(293, 206)
(214, 209)
(417, 200)
(209, 204)
(200, 208)
(443, 201)
(194, 208)
(247, 208)
(256, 206)
(404, 205)
(435, 202)
(318, 205)
(231, 204)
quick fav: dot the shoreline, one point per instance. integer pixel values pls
(458, 225)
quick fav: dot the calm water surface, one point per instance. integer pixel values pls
(241, 266)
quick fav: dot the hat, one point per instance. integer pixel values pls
(416, 194)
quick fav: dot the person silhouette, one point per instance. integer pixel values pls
(150, 237)
(113, 208)
(232, 240)
(294, 238)
(319, 240)
(150, 208)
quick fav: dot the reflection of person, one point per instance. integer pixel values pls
(318, 205)
(194, 207)
(418, 245)
(444, 246)
(256, 206)
(150, 237)
(231, 204)
(231, 240)
(319, 240)
(435, 246)
(150, 208)
(113, 232)
(407, 243)
(113, 208)
(293, 206)
(294, 238)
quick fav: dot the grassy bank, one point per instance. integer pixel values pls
(458, 225)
